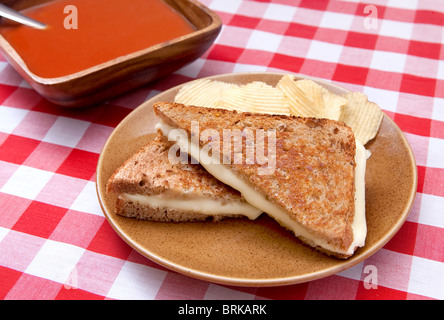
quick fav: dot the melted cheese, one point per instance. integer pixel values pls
(224, 174)
(197, 204)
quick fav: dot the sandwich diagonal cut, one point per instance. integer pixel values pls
(151, 187)
(316, 188)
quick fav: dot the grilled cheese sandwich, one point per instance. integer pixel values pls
(328, 217)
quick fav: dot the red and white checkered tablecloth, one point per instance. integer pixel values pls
(55, 242)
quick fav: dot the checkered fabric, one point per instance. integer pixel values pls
(55, 242)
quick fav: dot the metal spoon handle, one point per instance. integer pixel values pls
(8, 13)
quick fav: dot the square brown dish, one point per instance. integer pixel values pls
(116, 76)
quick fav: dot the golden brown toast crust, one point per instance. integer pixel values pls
(314, 176)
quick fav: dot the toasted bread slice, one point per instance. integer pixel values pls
(310, 189)
(151, 187)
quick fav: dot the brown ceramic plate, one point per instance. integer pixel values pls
(111, 78)
(257, 253)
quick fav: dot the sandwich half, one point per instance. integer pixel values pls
(152, 185)
(306, 173)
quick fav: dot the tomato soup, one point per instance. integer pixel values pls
(95, 32)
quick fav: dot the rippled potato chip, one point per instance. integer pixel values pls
(334, 105)
(309, 99)
(328, 103)
(256, 96)
(203, 93)
(301, 103)
(362, 115)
